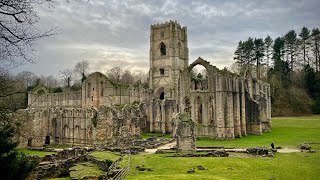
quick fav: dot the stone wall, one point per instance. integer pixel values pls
(80, 125)
(222, 106)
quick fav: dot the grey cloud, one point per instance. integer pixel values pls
(109, 33)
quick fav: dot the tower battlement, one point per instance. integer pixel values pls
(161, 25)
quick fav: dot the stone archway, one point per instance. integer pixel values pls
(30, 142)
(47, 140)
(160, 93)
(199, 75)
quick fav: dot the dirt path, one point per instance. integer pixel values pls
(287, 150)
(165, 146)
(172, 144)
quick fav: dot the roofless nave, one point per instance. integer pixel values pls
(223, 106)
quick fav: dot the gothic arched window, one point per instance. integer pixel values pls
(162, 49)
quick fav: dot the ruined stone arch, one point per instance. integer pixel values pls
(160, 93)
(163, 49)
(197, 82)
(199, 61)
(198, 110)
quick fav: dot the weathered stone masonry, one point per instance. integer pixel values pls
(222, 106)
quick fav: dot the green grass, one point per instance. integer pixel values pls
(286, 132)
(146, 135)
(102, 155)
(39, 153)
(82, 170)
(283, 166)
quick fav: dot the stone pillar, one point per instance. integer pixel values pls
(220, 115)
(150, 110)
(163, 117)
(185, 136)
(243, 109)
(236, 115)
(229, 115)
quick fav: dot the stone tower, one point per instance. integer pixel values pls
(168, 57)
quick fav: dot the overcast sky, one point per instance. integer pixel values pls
(111, 33)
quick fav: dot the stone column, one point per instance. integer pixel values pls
(230, 124)
(163, 117)
(185, 133)
(243, 109)
(220, 115)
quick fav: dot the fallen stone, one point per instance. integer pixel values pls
(201, 168)
(191, 170)
(305, 146)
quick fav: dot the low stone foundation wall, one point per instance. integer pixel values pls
(57, 165)
(261, 151)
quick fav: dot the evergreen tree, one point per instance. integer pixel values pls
(316, 47)
(291, 44)
(304, 35)
(268, 48)
(278, 49)
(239, 54)
(258, 54)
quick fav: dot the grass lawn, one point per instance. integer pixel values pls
(105, 155)
(39, 153)
(286, 132)
(282, 166)
(82, 170)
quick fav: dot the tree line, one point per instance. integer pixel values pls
(290, 64)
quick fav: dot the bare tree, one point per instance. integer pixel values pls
(49, 81)
(127, 77)
(18, 32)
(66, 76)
(28, 78)
(114, 74)
(140, 76)
(81, 69)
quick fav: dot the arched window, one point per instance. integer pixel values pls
(162, 49)
(161, 71)
(101, 92)
(160, 93)
(162, 96)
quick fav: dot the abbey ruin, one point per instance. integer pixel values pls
(221, 105)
